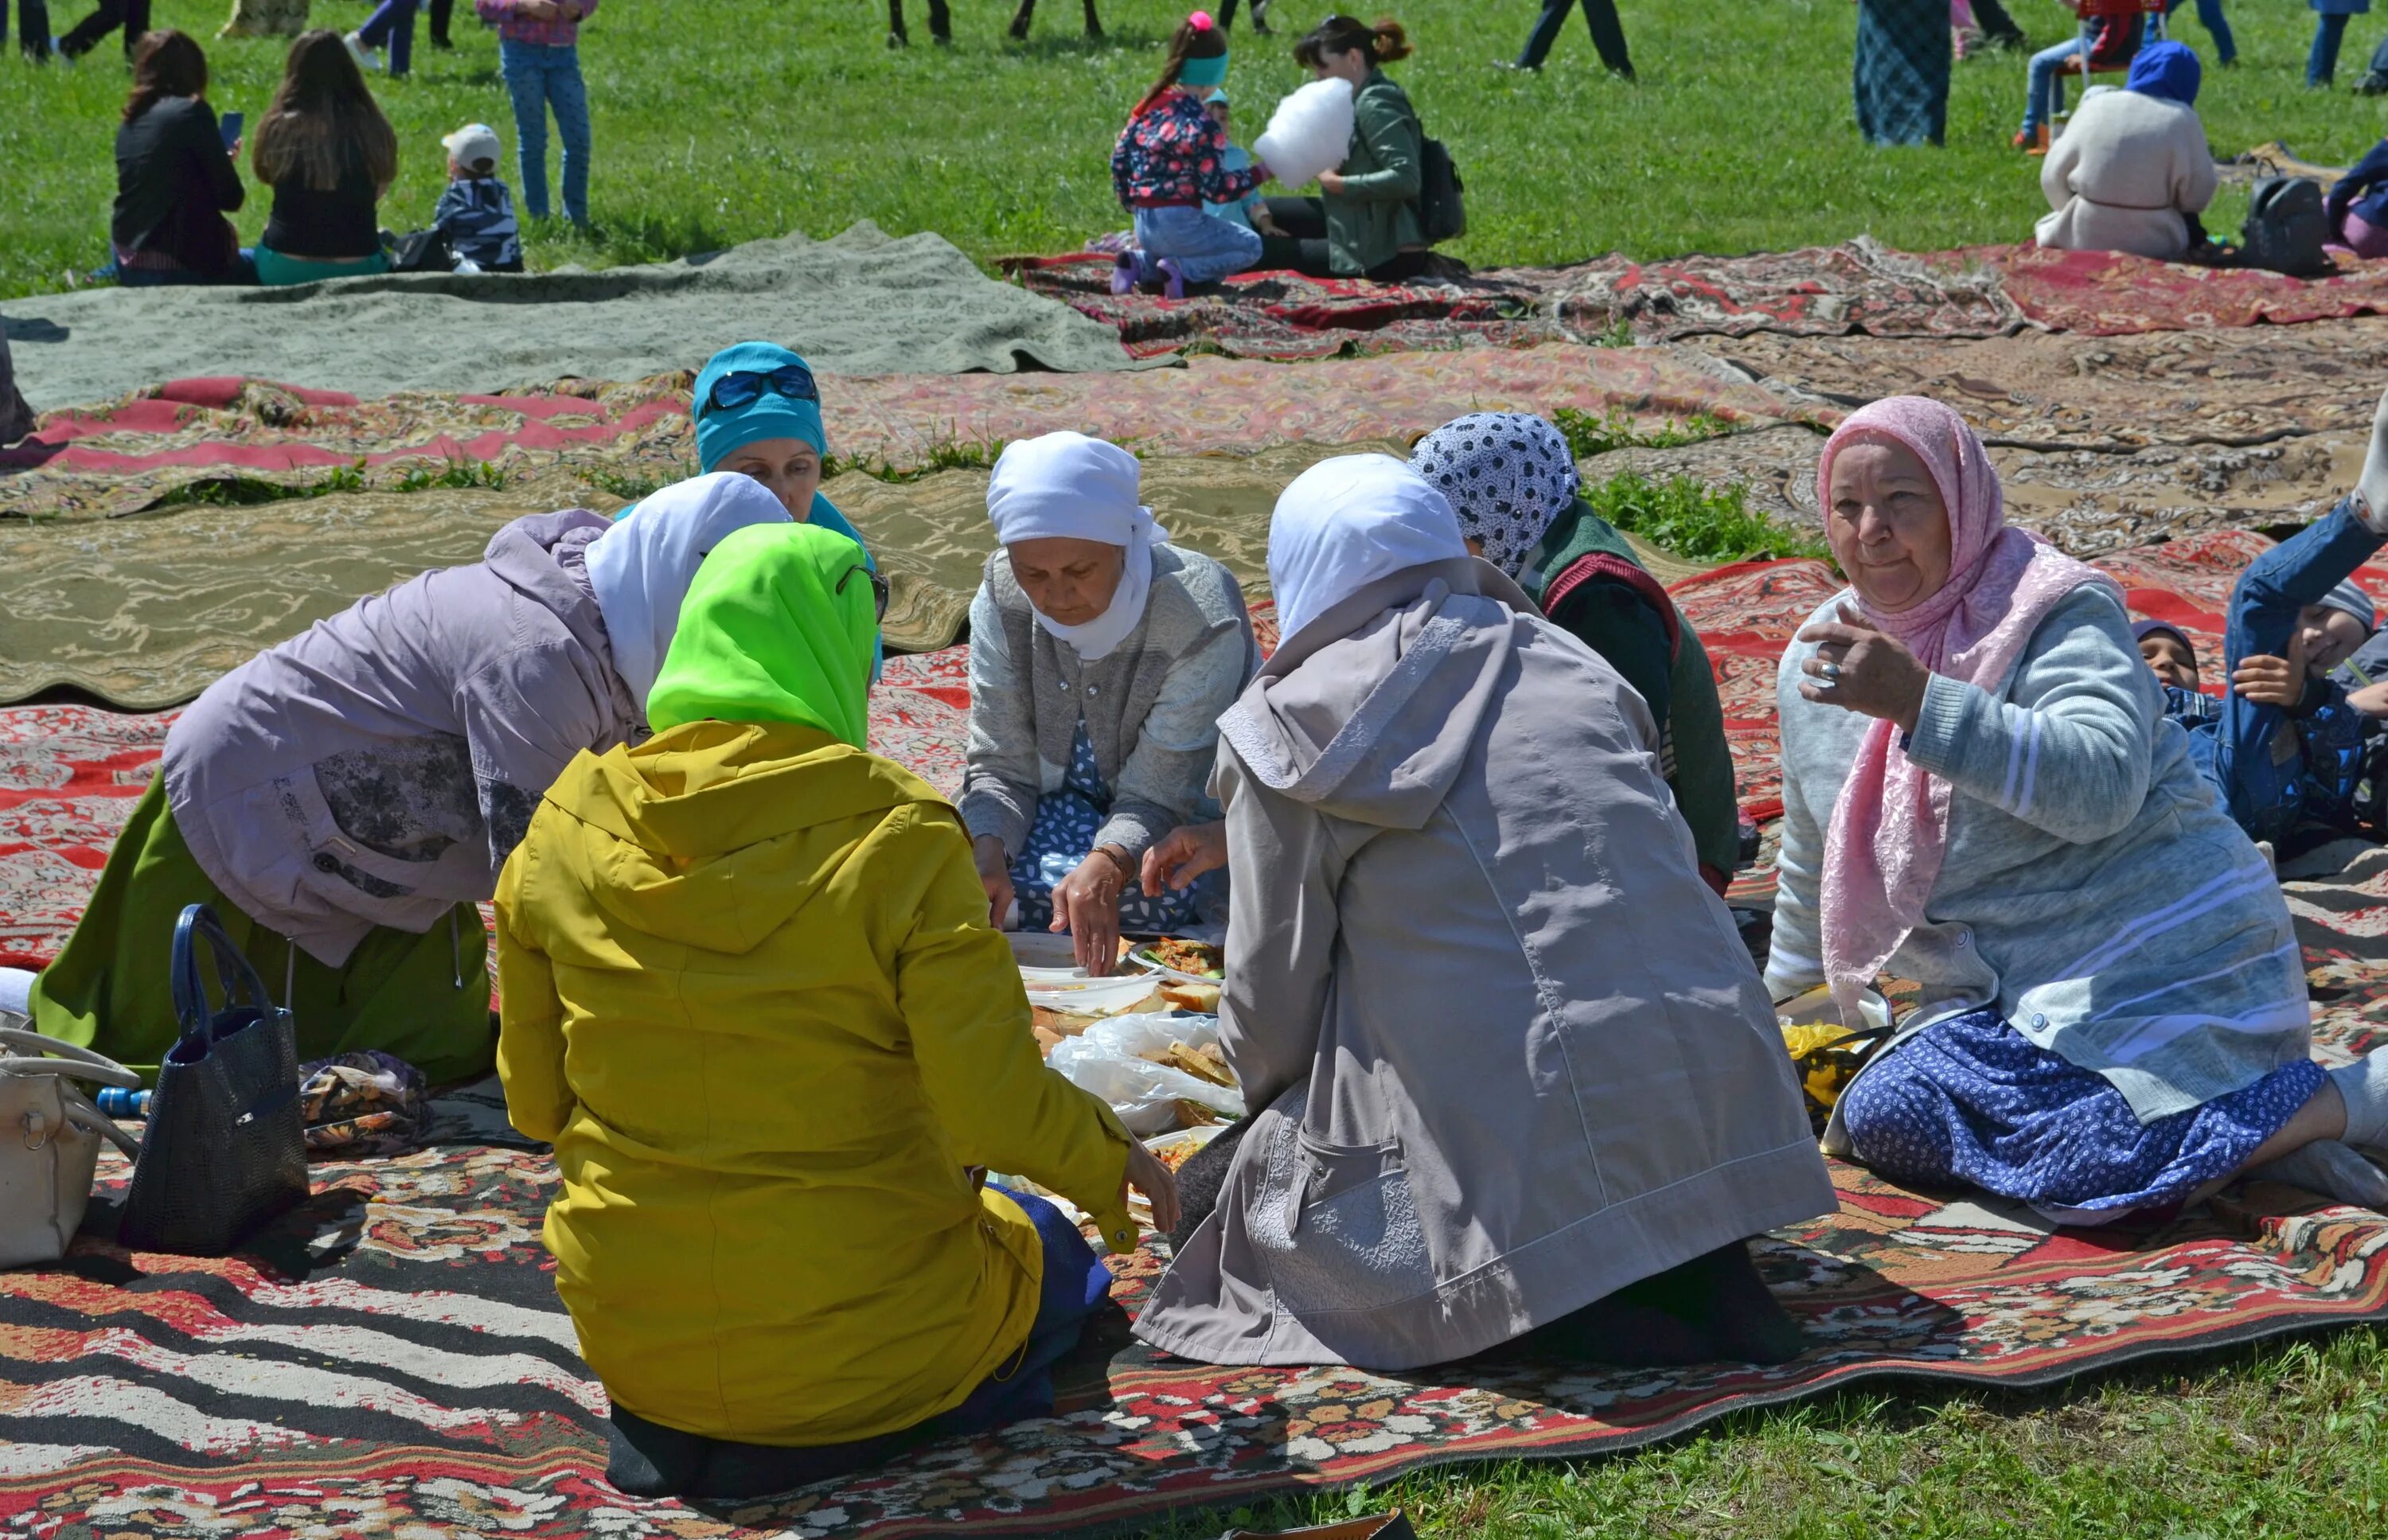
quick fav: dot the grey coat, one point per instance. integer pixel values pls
(1151, 706)
(2090, 889)
(1511, 1052)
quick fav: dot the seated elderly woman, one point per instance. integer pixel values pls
(1511, 478)
(1101, 659)
(751, 996)
(2132, 171)
(1508, 1053)
(1981, 793)
(345, 799)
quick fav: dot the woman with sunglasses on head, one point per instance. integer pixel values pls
(1101, 659)
(758, 411)
(752, 998)
(1364, 223)
(345, 799)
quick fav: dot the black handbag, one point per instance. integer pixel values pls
(225, 1149)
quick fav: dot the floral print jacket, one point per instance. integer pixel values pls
(1172, 152)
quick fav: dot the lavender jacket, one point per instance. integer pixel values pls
(378, 768)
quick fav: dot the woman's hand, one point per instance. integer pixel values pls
(1156, 1181)
(1181, 855)
(1086, 904)
(1331, 183)
(995, 875)
(1860, 667)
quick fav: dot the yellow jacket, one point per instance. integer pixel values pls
(750, 994)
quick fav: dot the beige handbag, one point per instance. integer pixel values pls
(49, 1141)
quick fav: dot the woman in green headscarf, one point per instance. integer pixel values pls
(750, 995)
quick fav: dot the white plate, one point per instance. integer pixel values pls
(1144, 955)
(1054, 981)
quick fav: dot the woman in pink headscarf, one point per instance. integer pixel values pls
(1981, 793)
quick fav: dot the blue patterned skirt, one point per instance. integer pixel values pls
(1061, 839)
(1973, 1101)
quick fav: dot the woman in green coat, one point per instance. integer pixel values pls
(1365, 223)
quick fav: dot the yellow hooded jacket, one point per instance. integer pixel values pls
(751, 995)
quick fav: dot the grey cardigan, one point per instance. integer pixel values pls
(2091, 890)
(1510, 1052)
(1151, 706)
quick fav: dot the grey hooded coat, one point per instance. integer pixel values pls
(1510, 1050)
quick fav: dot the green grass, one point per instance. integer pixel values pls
(720, 120)
(1696, 522)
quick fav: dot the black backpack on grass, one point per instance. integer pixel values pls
(2287, 226)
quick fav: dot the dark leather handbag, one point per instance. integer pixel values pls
(225, 1149)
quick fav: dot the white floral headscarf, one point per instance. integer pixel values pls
(1507, 475)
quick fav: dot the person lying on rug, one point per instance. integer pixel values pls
(1511, 478)
(2132, 171)
(1172, 161)
(751, 997)
(1101, 659)
(344, 799)
(1980, 794)
(1507, 1055)
(2357, 205)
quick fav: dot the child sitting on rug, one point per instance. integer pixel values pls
(477, 212)
(1171, 160)
(1252, 209)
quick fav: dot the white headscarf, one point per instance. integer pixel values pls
(642, 567)
(1065, 486)
(1347, 521)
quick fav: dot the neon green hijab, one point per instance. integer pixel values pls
(767, 636)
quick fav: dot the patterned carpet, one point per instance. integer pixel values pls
(391, 1359)
(1861, 287)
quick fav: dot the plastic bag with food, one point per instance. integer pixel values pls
(1147, 1065)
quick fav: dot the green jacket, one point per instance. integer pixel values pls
(1375, 214)
(1621, 613)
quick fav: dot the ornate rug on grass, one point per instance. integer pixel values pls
(392, 1358)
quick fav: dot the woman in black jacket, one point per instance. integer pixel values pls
(329, 155)
(175, 177)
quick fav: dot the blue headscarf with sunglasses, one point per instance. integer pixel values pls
(764, 409)
(757, 404)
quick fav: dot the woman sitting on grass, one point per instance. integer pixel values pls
(1507, 1053)
(345, 799)
(1512, 480)
(1172, 159)
(329, 155)
(2132, 173)
(752, 998)
(1364, 223)
(175, 177)
(1981, 793)
(1101, 659)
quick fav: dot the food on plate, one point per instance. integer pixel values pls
(1194, 1115)
(1202, 999)
(1199, 958)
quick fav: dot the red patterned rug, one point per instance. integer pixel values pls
(391, 1359)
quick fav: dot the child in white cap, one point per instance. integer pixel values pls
(477, 212)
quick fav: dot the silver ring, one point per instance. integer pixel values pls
(1829, 671)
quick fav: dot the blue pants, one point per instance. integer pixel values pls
(393, 25)
(1204, 250)
(2043, 94)
(2209, 13)
(2321, 65)
(2262, 794)
(539, 76)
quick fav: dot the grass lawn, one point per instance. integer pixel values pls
(720, 120)
(717, 120)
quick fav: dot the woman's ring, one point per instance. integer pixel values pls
(1830, 671)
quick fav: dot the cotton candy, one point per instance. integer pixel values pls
(1309, 132)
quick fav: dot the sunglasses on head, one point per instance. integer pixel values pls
(743, 388)
(878, 589)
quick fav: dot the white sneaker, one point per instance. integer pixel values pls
(367, 59)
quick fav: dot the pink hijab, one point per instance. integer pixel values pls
(1890, 823)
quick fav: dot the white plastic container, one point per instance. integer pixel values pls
(1309, 132)
(1049, 971)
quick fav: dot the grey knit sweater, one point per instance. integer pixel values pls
(2091, 889)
